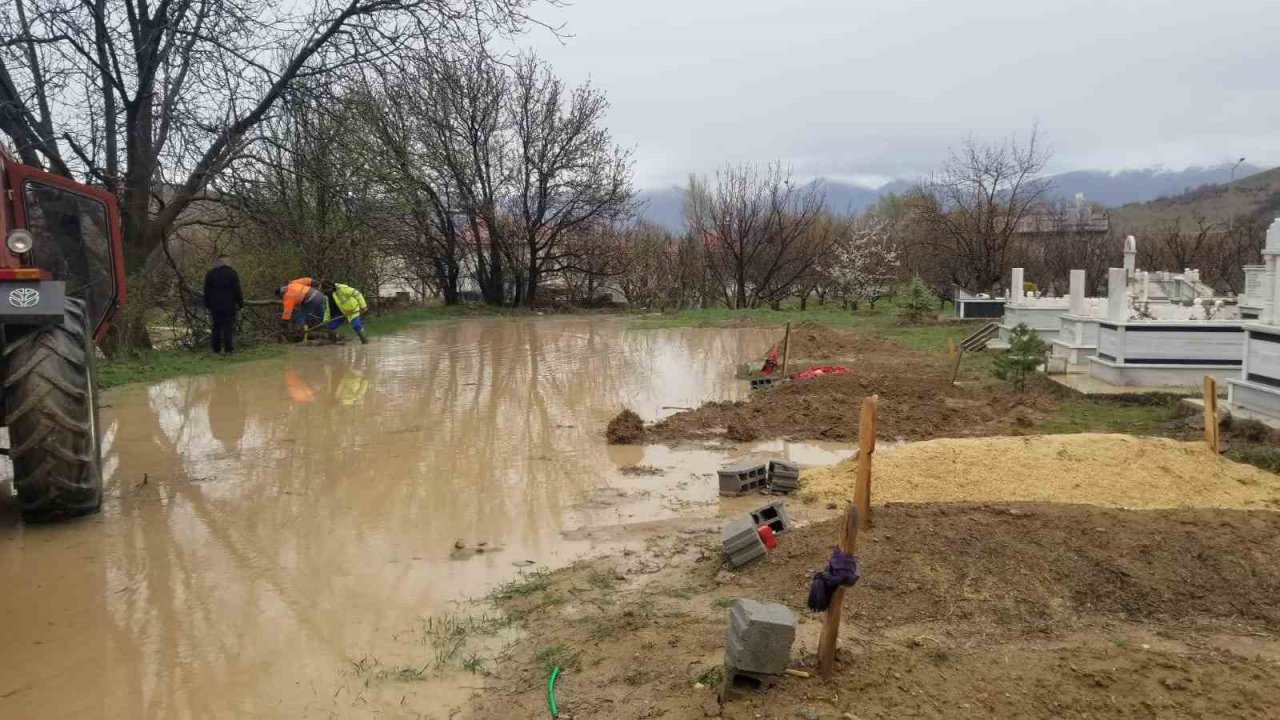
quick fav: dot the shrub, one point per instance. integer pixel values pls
(916, 302)
(1026, 352)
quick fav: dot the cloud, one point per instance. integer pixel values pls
(884, 89)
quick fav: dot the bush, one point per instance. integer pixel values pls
(916, 302)
(1026, 352)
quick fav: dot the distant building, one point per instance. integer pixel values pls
(1079, 218)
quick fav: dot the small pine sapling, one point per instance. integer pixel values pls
(1026, 353)
(916, 302)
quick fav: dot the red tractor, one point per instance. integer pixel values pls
(61, 282)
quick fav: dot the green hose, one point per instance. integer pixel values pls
(551, 693)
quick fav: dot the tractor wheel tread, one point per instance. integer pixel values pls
(50, 408)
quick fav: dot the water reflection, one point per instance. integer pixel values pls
(267, 525)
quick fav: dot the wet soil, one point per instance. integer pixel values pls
(964, 610)
(918, 399)
(274, 537)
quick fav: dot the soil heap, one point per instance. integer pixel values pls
(1099, 469)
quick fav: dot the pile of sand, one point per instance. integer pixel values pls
(1096, 469)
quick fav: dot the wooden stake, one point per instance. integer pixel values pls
(955, 366)
(1211, 412)
(951, 348)
(831, 621)
(786, 349)
(866, 448)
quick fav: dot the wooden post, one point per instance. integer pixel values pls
(786, 349)
(955, 365)
(866, 448)
(1211, 412)
(831, 621)
(951, 348)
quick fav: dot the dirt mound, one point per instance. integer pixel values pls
(1022, 565)
(813, 341)
(917, 401)
(625, 428)
(999, 610)
(1096, 469)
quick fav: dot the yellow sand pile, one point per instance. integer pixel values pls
(1096, 469)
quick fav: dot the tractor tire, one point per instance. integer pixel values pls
(51, 409)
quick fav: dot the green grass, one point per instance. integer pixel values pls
(525, 584)
(157, 365)
(558, 656)
(882, 322)
(1142, 415)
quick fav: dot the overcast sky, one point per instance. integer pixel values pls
(869, 90)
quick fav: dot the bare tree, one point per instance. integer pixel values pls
(155, 99)
(756, 227)
(972, 209)
(568, 173)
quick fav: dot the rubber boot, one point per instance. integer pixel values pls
(363, 340)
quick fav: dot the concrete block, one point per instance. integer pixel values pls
(738, 684)
(741, 543)
(784, 476)
(759, 637)
(742, 477)
(774, 515)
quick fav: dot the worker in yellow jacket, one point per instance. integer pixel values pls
(345, 305)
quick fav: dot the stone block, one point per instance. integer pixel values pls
(739, 478)
(774, 515)
(759, 637)
(741, 543)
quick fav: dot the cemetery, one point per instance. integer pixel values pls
(972, 550)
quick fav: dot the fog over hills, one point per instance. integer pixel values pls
(665, 206)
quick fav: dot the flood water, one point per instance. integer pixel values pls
(268, 527)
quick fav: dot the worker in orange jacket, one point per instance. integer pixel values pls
(304, 304)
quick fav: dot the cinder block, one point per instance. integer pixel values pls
(739, 683)
(741, 477)
(764, 383)
(784, 468)
(759, 637)
(741, 542)
(774, 515)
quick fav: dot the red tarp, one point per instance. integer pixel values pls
(820, 371)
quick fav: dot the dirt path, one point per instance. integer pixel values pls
(1026, 610)
(919, 399)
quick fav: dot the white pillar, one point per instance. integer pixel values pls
(1117, 299)
(1146, 285)
(1130, 254)
(1271, 254)
(1076, 304)
(1015, 287)
(1267, 314)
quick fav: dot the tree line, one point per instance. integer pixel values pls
(386, 143)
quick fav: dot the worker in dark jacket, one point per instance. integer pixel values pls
(223, 298)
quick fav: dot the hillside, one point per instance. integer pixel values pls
(1253, 196)
(1125, 190)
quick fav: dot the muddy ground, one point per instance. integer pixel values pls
(919, 399)
(964, 610)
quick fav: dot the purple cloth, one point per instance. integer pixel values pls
(842, 571)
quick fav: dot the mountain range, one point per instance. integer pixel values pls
(665, 206)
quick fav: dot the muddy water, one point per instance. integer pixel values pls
(268, 527)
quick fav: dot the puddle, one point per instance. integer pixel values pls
(267, 530)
